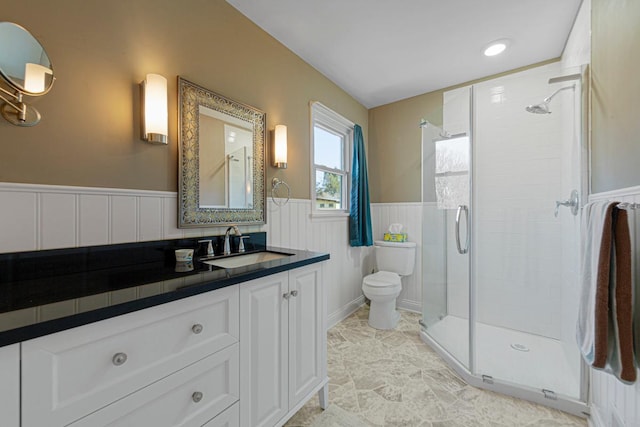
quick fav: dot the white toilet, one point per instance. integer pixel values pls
(393, 260)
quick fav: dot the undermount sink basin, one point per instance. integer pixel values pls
(247, 259)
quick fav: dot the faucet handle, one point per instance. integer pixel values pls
(241, 246)
(209, 246)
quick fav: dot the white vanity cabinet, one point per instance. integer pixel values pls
(10, 386)
(283, 345)
(249, 354)
(68, 375)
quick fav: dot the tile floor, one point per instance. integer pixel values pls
(391, 378)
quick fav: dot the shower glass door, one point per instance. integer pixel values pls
(445, 242)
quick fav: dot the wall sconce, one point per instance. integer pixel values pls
(280, 147)
(155, 112)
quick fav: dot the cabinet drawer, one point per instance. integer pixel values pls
(70, 374)
(189, 397)
(229, 418)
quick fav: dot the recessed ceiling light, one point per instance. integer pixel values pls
(496, 47)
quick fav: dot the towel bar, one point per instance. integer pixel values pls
(628, 206)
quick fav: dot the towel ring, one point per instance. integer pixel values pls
(275, 185)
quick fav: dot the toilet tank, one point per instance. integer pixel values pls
(397, 257)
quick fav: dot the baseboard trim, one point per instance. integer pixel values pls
(594, 419)
(409, 305)
(345, 311)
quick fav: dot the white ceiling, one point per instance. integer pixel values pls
(380, 51)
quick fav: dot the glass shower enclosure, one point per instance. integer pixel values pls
(500, 242)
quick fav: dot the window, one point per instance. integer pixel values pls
(331, 140)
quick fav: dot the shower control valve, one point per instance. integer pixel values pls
(572, 203)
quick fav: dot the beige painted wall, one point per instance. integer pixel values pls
(615, 64)
(395, 146)
(89, 134)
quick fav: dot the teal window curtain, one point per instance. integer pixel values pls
(360, 233)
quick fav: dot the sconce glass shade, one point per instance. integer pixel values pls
(280, 147)
(155, 112)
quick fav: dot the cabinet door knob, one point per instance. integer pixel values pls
(197, 396)
(197, 328)
(119, 359)
(294, 293)
(287, 295)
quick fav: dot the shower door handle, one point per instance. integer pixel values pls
(462, 208)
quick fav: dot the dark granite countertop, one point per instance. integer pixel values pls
(43, 292)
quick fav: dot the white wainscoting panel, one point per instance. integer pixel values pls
(410, 216)
(123, 218)
(150, 218)
(292, 226)
(57, 220)
(609, 397)
(18, 221)
(35, 217)
(93, 219)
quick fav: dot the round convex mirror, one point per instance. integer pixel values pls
(24, 64)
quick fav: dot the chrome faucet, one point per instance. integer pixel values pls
(227, 245)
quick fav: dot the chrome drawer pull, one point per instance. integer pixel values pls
(294, 293)
(196, 396)
(197, 328)
(119, 359)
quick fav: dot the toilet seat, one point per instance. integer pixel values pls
(382, 279)
(382, 283)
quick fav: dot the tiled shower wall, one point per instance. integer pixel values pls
(610, 399)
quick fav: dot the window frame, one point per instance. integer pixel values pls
(330, 121)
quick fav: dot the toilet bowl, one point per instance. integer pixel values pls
(382, 288)
(393, 260)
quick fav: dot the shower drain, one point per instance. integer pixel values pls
(519, 347)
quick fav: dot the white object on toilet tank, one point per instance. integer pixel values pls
(396, 257)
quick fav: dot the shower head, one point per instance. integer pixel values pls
(543, 107)
(443, 133)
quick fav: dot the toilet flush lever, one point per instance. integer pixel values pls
(572, 203)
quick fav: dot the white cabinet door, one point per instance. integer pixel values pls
(263, 350)
(10, 385)
(307, 337)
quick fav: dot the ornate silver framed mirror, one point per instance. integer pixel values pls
(221, 159)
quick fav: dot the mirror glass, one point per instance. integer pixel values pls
(23, 62)
(221, 159)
